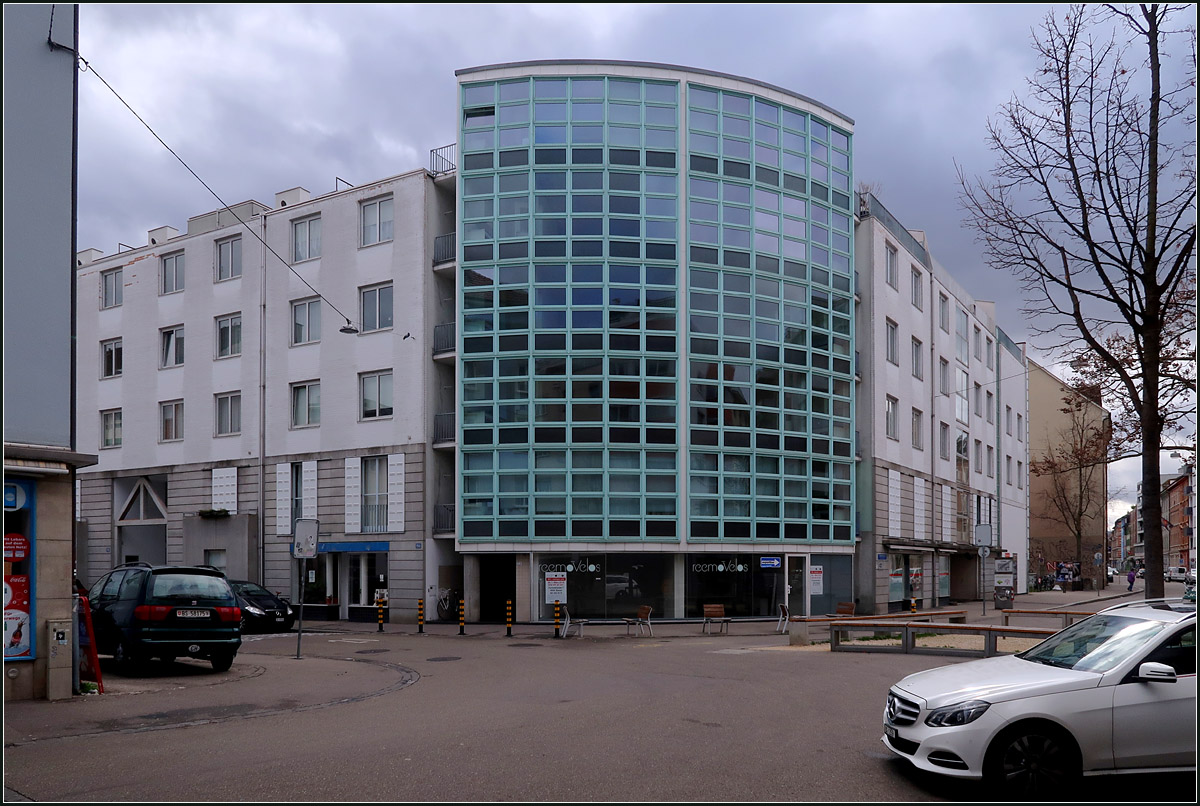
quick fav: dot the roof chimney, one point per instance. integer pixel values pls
(161, 235)
(290, 198)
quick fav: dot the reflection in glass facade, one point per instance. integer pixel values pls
(656, 317)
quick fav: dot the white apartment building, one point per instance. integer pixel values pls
(268, 364)
(942, 414)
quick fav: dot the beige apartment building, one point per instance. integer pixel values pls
(1069, 433)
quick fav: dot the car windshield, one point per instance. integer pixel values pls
(189, 586)
(1096, 644)
(253, 591)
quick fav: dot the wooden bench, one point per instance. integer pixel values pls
(642, 619)
(844, 609)
(715, 614)
(1067, 616)
(802, 637)
(839, 636)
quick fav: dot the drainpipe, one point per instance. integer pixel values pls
(262, 395)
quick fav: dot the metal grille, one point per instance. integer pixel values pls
(901, 711)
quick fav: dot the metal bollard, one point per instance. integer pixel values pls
(420, 615)
(379, 604)
(557, 623)
(508, 618)
(462, 617)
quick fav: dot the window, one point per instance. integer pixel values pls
(1008, 420)
(918, 361)
(889, 417)
(306, 404)
(229, 414)
(978, 400)
(306, 239)
(944, 441)
(172, 347)
(171, 421)
(376, 219)
(991, 408)
(1020, 475)
(917, 436)
(172, 274)
(229, 259)
(991, 359)
(375, 395)
(110, 358)
(306, 321)
(918, 292)
(374, 494)
(944, 312)
(297, 473)
(961, 338)
(110, 429)
(1020, 428)
(893, 346)
(978, 344)
(229, 335)
(944, 376)
(991, 462)
(112, 290)
(890, 267)
(377, 308)
(1008, 469)
(978, 456)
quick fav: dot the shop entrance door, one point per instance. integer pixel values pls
(797, 585)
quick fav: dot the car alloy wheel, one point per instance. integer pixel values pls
(1034, 761)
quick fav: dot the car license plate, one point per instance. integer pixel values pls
(279, 618)
(890, 732)
(191, 613)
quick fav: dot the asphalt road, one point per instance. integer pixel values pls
(365, 716)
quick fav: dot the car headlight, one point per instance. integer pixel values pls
(256, 611)
(955, 715)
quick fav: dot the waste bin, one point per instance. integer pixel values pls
(1004, 597)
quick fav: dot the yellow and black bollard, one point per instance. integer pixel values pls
(462, 617)
(914, 604)
(508, 618)
(379, 604)
(420, 615)
(557, 625)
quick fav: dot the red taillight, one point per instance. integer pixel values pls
(151, 612)
(229, 613)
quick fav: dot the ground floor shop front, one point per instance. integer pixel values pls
(615, 584)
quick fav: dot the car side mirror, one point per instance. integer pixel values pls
(1156, 673)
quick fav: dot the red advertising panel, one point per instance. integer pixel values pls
(17, 629)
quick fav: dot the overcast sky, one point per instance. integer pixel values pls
(261, 98)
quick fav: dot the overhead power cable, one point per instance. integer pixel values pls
(87, 67)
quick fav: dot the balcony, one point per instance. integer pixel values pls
(443, 519)
(442, 160)
(445, 340)
(445, 249)
(445, 432)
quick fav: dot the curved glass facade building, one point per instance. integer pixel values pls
(655, 306)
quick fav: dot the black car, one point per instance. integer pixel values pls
(262, 611)
(140, 611)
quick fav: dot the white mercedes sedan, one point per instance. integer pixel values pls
(1114, 693)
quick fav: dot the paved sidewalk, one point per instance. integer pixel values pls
(977, 613)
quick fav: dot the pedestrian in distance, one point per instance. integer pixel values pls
(1132, 577)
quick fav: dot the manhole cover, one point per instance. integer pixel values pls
(439, 660)
(523, 645)
(369, 651)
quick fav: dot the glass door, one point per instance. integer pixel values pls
(797, 587)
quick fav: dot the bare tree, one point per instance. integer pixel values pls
(1091, 205)
(1069, 477)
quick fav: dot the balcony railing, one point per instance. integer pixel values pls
(444, 427)
(444, 338)
(441, 160)
(443, 518)
(444, 248)
(374, 517)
